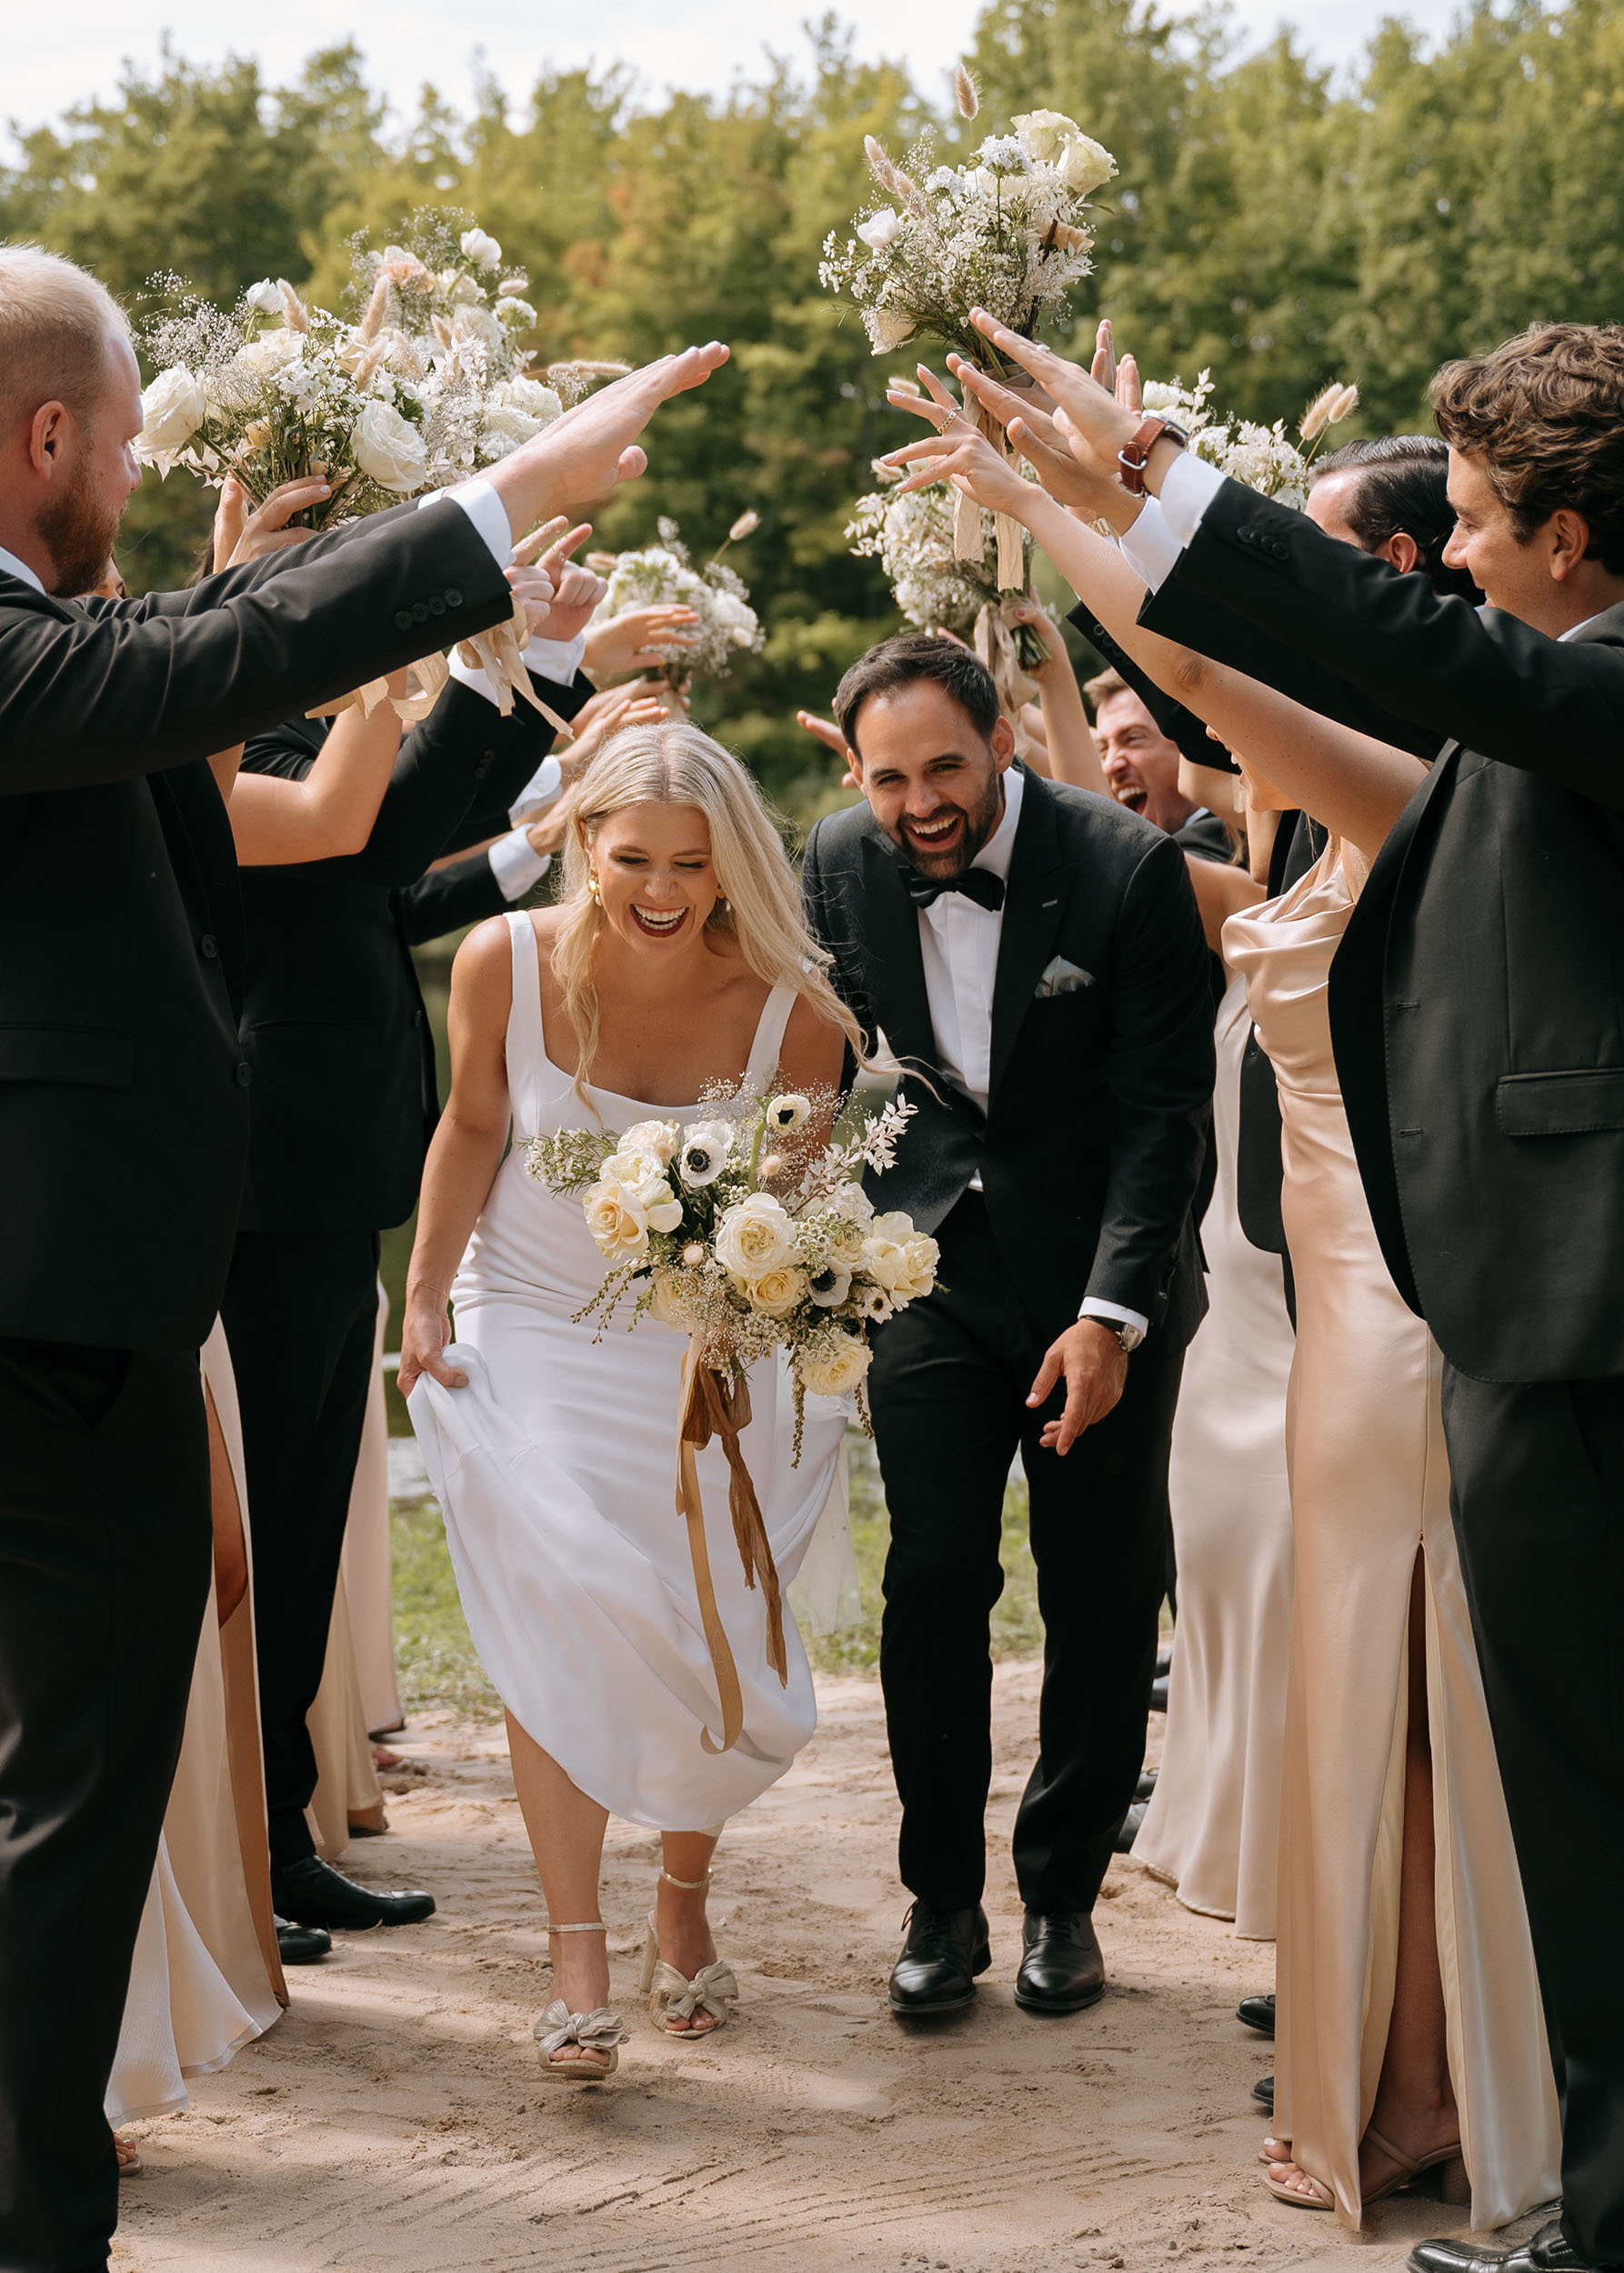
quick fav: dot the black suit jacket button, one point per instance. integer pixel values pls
(454, 598)
(1279, 551)
(1243, 535)
(436, 606)
(419, 612)
(208, 945)
(244, 1073)
(403, 619)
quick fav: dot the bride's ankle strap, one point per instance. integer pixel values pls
(593, 1925)
(688, 1886)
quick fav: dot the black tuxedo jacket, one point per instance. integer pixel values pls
(123, 1101)
(1092, 1143)
(332, 1023)
(1476, 1002)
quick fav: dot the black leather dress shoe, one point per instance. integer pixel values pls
(942, 1952)
(1130, 1827)
(315, 1894)
(1063, 1968)
(1159, 1693)
(1164, 1661)
(1263, 2092)
(1547, 2251)
(1256, 2012)
(1146, 1785)
(301, 1945)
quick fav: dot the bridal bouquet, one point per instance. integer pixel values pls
(727, 1236)
(1264, 458)
(664, 575)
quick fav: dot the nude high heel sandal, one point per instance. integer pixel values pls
(600, 2031)
(675, 2001)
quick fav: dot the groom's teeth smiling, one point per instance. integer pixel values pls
(658, 923)
(934, 835)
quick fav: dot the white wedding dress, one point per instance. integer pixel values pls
(556, 1470)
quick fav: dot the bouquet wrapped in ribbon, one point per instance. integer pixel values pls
(736, 1232)
(1011, 231)
(664, 575)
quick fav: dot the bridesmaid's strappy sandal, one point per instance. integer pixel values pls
(674, 2001)
(600, 2031)
(1455, 2187)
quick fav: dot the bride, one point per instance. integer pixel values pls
(677, 960)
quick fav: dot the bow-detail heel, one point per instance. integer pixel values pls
(601, 2031)
(675, 2001)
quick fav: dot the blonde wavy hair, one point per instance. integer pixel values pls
(759, 906)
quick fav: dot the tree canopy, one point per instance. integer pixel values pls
(1273, 222)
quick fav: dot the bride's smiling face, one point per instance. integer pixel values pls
(656, 883)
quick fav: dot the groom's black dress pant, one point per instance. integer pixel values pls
(947, 1391)
(1537, 1477)
(105, 1564)
(301, 1316)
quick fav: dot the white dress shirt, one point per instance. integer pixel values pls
(958, 945)
(12, 566)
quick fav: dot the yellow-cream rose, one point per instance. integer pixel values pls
(754, 1236)
(616, 1223)
(838, 1370)
(776, 1292)
(899, 1258)
(656, 1138)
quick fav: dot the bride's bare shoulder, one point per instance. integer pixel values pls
(482, 967)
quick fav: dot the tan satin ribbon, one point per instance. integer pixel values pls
(499, 653)
(966, 520)
(715, 1406)
(994, 645)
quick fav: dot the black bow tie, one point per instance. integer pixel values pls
(979, 885)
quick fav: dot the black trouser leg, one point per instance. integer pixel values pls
(1538, 1473)
(104, 1559)
(1099, 1542)
(301, 1314)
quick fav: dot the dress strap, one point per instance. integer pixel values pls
(767, 1047)
(526, 1049)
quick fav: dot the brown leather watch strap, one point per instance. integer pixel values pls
(1136, 458)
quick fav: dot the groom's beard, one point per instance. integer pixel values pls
(78, 527)
(980, 819)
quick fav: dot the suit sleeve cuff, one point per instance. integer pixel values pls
(540, 791)
(556, 660)
(517, 865)
(1113, 1313)
(480, 502)
(1190, 486)
(1149, 548)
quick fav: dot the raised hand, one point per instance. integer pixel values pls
(628, 706)
(1032, 430)
(243, 533)
(572, 591)
(1090, 421)
(579, 458)
(958, 452)
(826, 731)
(636, 640)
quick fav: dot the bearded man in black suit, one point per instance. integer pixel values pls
(1034, 957)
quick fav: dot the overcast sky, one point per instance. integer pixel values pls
(54, 60)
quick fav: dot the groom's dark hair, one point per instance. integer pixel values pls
(957, 670)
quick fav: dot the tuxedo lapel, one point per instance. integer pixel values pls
(1034, 907)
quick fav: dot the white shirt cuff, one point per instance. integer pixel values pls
(554, 659)
(1149, 548)
(480, 502)
(1190, 486)
(1113, 1312)
(539, 792)
(516, 864)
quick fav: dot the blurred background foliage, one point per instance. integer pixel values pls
(1283, 227)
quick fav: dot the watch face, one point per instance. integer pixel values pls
(1131, 1337)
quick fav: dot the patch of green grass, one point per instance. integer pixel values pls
(438, 1666)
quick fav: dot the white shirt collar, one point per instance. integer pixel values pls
(1573, 630)
(13, 566)
(999, 848)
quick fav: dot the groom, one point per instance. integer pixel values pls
(1034, 957)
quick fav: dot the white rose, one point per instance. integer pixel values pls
(482, 250)
(888, 328)
(852, 1203)
(657, 1140)
(616, 1222)
(477, 324)
(265, 296)
(833, 1373)
(263, 358)
(754, 1236)
(172, 410)
(878, 232)
(504, 430)
(661, 1208)
(389, 448)
(1084, 165)
(1044, 135)
(544, 403)
(669, 1302)
(704, 1155)
(900, 1259)
(777, 1292)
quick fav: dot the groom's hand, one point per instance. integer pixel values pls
(1094, 1365)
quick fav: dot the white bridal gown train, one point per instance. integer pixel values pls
(556, 1469)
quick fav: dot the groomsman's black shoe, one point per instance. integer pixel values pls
(1163, 1662)
(1263, 2092)
(301, 1945)
(316, 1894)
(1132, 1823)
(1063, 1970)
(1146, 1785)
(1159, 1693)
(942, 1952)
(1547, 2251)
(1256, 2012)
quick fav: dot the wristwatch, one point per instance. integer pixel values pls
(1127, 1338)
(1137, 456)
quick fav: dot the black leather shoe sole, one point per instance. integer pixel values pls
(954, 2001)
(1074, 2001)
(1258, 2013)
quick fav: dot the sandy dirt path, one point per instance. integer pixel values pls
(395, 2118)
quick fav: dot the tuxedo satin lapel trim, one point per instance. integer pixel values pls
(1034, 907)
(893, 924)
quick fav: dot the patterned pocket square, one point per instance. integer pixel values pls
(1060, 977)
